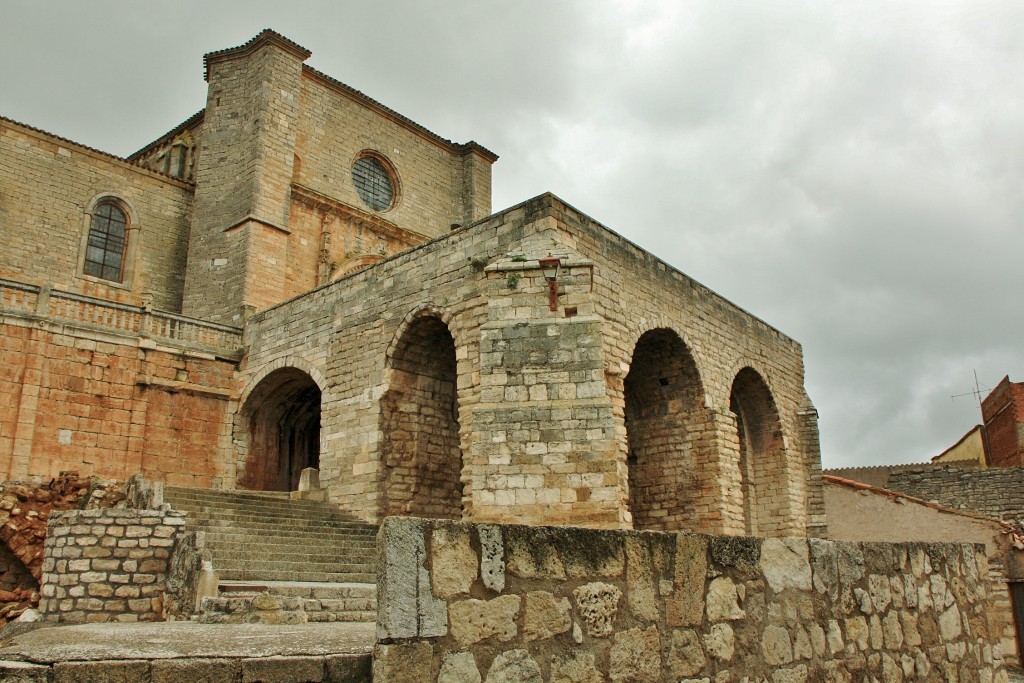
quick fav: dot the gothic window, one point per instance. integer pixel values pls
(105, 249)
(374, 183)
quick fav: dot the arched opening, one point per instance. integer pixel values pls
(762, 457)
(421, 455)
(282, 415)
(666, 433)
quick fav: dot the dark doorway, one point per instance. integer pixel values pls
(283, 419)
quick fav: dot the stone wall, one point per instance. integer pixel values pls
(997, 493)
(108, 565)
(49, 185)
(109, 404)
(461, 602)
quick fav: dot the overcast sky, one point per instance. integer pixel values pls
(852, 173)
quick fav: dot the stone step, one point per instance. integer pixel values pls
(305, 576)
(259, 538)
(247, 540)
(309, 562)
(281, 523)
(227, 563)
(195, 498)
(261, 548)
(300, 589)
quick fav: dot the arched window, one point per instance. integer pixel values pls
(105, 249)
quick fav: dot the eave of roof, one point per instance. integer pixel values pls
(369, 102)
(265, 36)
(177, 130)
(98, 152)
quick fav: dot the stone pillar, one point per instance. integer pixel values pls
(546, 447)
(807, 421)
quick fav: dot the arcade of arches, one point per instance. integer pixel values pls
(421, 458)
(673, 449)
(282, 415)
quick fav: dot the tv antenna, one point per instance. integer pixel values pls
(976, 393)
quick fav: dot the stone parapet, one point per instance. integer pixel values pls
(461, 602)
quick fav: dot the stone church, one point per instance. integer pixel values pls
(299, 277)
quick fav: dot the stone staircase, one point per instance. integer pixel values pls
(280, 560)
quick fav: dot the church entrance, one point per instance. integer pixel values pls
(283, 419)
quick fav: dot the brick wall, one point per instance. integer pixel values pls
(108, 565)
(1003, 413)
(459, 602)
(46, 187)
(109, 405)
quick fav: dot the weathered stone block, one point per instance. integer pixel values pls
(545, 616)
(459, 667)
(685, 655)
(723, 600)
(348, 668)
(686, 605)
(100, 672)
(597, 604)
(785, 564)
(454, 562)
(476, 620)
(514, 666)
(23, 672)
(636, 656)
(283, 670)
(407, 607)
(402, 663)
(194, 670)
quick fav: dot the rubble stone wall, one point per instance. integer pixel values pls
(460, 602)
(108, 565)
(995, 492)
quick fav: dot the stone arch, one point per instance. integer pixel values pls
(279, 426)
(761, 455)
(421, 455)
(668, 432)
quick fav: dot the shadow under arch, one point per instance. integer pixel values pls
(421, 456)
(761, 455)
(281, 418)
(667, 432)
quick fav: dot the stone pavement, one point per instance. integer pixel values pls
(168, 652)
